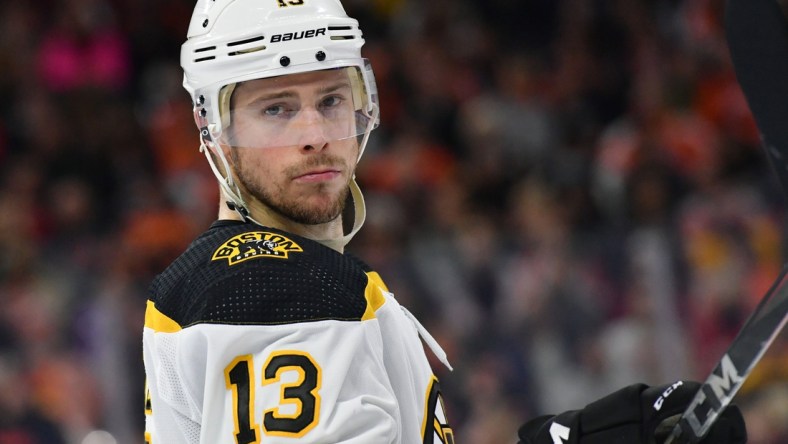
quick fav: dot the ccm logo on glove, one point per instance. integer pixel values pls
(658, 403)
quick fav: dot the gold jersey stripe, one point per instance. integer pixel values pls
(427, 413)
(158, 321)
(374, 295)
(375, 277)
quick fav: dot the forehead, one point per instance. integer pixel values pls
(313, 80)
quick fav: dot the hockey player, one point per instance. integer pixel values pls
(264, 330)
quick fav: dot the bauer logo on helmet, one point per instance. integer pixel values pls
(287, 36)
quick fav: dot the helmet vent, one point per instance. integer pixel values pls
(249, 40)
(336, 35)
(206, 57)
(246, 51)
(243, 51)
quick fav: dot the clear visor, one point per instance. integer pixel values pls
(311, 108)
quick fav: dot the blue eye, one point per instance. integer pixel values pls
(331, 101)
(274, 111)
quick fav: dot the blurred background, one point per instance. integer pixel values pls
(569, 194)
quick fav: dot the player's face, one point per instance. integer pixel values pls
(291, 148)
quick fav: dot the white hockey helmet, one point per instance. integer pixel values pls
(234, 41)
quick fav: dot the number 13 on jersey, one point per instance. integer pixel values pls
(299, 401)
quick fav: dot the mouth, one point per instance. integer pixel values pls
(318, 175)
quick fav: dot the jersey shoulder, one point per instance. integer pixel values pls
(240, 273)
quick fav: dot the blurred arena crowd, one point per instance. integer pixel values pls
(569, 194)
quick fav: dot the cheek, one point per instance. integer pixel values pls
(350, 148)
(255, 162)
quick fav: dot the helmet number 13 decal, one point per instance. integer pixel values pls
(299, 402)
(286, 3)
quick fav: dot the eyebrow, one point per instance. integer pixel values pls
(290, 93)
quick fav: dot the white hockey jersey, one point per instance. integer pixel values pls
(255, 335)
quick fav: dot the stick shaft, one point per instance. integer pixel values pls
(752, 342)
(757, 34)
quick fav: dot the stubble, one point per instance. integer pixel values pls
(316, 207)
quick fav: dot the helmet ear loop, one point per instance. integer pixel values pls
(213, 150)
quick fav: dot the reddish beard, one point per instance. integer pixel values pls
(301, 211)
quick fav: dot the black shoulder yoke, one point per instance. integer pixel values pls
(241, 273)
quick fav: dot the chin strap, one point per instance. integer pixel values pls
(226, 183)
(359, 215)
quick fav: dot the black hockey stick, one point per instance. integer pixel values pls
(757, 34)
(730, 373)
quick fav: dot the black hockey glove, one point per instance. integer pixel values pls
(637, 414)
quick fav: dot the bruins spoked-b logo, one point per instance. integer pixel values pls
(255, 245)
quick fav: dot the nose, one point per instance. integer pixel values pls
(311, 129)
